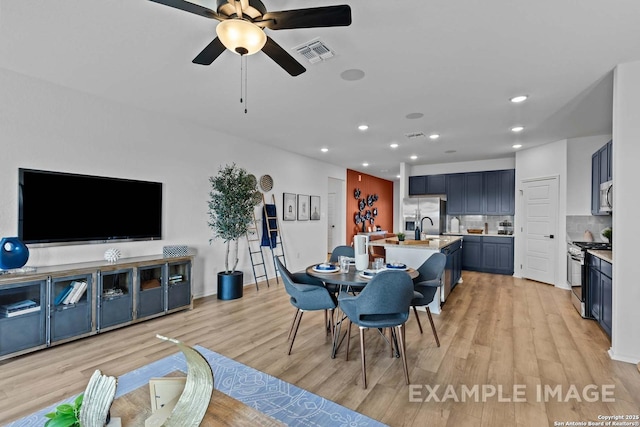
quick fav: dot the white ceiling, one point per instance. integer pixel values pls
(455, 61)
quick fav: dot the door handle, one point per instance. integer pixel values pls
(549, 236)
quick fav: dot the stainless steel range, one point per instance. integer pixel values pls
(577, 273)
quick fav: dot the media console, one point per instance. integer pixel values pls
(39, 309)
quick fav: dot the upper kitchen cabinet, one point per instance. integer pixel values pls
(499, 192)
(427, 184)
(601, 171)
(481, 193)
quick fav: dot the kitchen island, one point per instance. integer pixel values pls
(414, 252)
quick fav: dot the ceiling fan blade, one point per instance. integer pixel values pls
(210, 53)
(328, 16)
(190, 7)
(282, 58)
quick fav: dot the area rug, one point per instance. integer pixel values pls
(285, 402)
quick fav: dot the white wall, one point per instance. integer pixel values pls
(473, 166)
(579, 152)
(543, 161)
(625, 343)
(43, 126)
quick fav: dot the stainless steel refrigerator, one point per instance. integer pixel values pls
(429, 214)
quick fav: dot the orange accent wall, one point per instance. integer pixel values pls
(369, 185)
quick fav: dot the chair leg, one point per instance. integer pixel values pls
(403, 354)
(295, 330)
(332, 325)
(348, 339)
(433, 327)
(391, 341)
(326, 323)
(364, 366)
(417, 318)
(293, 322)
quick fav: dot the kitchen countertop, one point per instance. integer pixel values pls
(604, 255)
(431, 242)
(479, 235)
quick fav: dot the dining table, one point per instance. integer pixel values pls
(353, 281)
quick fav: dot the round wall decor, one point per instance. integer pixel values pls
(266, 183)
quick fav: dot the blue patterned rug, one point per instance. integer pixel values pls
(283, 401)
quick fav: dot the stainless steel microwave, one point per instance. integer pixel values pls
(606, 196)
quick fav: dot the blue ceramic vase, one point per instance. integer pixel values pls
(13, 253)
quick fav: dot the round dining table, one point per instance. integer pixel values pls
(351, 281)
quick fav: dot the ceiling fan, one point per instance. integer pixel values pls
(242, 24)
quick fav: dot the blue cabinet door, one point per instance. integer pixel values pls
(417, 185)
(507, 203)
(472, 253)
(492, 192)
(610, 157)
(595, 183)
(604, 163)
(436, 184)
(455, 193)
(473, 193)
(594, 292)
(606, 314)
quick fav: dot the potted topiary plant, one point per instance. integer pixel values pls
(233, 198)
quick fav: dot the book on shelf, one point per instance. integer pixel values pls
(79, 287)
(19, 308)
(63, 294)
(175, 278)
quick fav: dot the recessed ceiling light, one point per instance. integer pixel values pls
(450, 151)
(434, 136)
(517, 145)
(519, 98)
(413, 116)
(352, 75)
(517, 129)
(397, 176)
(365, 164)
(413, 157)
(324, 149)
(393, 145)
(363, 127)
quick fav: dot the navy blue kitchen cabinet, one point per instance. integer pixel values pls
(427, 185)
(488, 254)
(497, 255)
(601, 171)
(499, 192)
(417, 185)
(456, 194)
(472, 253)
(473, 193)
(453, 266)
(599, 301)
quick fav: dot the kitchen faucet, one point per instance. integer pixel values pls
(423, 218)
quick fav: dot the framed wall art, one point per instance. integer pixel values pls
(314, 208)
(288, 207)
(303, 207)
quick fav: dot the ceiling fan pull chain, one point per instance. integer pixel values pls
(246, 90)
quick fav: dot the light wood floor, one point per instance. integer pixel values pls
(494, 330)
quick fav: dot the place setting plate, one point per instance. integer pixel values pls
(396, 266)
(369, 273)
(326, 268)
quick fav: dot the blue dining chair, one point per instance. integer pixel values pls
(306, 294)
(342, 250)
(427, 283)
(383, 303)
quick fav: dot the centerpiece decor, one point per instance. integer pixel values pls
(233, 197)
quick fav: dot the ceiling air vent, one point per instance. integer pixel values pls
(315, 51)
(415, 135)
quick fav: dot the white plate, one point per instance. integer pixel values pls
(371, 274)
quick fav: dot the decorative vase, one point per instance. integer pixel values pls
(13, 253)
(230, 285)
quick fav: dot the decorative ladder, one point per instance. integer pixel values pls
(273, 226)
(253, 240)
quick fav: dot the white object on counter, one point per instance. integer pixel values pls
(588, 236)
(360, 246)
(455, 225)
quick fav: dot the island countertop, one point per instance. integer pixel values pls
(435, 242)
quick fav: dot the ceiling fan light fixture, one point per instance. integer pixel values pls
(240, 36)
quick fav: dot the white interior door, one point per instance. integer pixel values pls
(331, 222)
(540, 229)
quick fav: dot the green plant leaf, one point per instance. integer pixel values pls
(78, 401)
(65, 420)
(65, 408)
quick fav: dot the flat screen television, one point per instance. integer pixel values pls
(66, 208)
